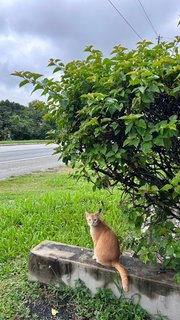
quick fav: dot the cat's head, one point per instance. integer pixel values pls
(93, 218)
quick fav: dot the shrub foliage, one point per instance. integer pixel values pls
(118, 124)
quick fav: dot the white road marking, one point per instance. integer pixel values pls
(8, 161)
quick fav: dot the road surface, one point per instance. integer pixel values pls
(21, 159)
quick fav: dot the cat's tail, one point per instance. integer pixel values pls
(123, 274)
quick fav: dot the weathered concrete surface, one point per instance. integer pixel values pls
(55, 263)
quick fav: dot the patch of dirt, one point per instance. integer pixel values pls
(41, 310)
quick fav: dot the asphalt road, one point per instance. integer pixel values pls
(21, 159)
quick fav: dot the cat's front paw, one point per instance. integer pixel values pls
(94, 257)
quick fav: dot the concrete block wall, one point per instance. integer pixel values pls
(56, 264)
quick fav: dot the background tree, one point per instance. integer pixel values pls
(18, 122)
(118, 124)
(9, 116)
(42, 122)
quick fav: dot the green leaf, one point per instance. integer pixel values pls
(173, 119)
(112, 109)
(148, 137)
(36, 75)
(154, 88)
(110, 153)
(159, 141)
(147, 73)
(135, 81)
(104, 120)
(88, 48)
(128, 127)
(175, 180)
(38, 86)
(141, 89)
(141, 123)
(166, 187)
(146, 147)
(144, 189)
(176, 91)
(131, 117)
(51, 63)
(22, 83)
(141, 131)
(115, 147)
(144, 254)
(114, 125)
(172, 126)
(154, 189)
(131, 141)
(177, 189)
(147, 98)
(57, 69)
(174, 195)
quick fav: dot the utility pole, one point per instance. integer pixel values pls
(159, 39)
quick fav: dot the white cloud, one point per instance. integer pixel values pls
(21, 95)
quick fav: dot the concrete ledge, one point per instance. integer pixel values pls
(56, 264)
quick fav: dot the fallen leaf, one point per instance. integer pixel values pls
(54, 312)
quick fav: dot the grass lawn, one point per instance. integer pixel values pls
(11, 142)
(49, 206)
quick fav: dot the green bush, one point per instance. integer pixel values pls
(118, 124)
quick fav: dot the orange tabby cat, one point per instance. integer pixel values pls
(106, 246)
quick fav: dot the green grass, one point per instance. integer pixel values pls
(38, 207)
(11, 142)
(50, 206)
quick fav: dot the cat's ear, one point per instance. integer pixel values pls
(86, 213)
(98, 212)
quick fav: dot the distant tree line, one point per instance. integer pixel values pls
(18, 122)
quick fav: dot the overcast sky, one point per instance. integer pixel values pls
(33, 31)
